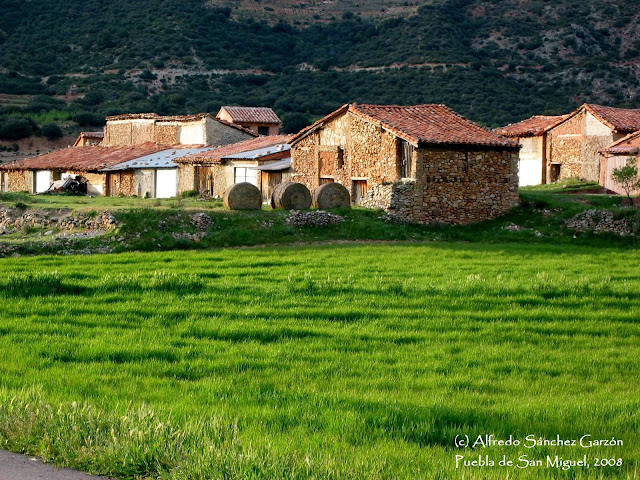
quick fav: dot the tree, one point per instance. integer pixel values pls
(627, 176)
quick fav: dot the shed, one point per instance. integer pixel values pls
(422, 163)
(262, 161)
(574, 145)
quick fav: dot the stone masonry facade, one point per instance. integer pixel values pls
(575, 146)
(445, 184)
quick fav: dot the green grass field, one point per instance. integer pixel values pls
(337, 361)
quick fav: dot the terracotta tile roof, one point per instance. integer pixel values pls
(92, 134)
(626, 145)
(252, 115)
(619, 119)
(84, 159)
(423, 124)
(531, 127)
(216, 155)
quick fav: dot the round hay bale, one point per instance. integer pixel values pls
(291, 196)
(331, 195)
(243, 196)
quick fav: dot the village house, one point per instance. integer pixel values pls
(615, 156)
(263, 161)
(532, 135)
(199, 129)
(421, 163)
(86, 139)
(574, 145)
(146, 167)
(260, 120)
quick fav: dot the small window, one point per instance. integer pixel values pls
(340, 159)
(243, 174)
(263, 130)
(324, 180)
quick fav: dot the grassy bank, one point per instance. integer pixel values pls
(153, 224)
(321, 361)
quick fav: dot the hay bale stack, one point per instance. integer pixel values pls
(243, 196)
(331, 195)
(291, 196)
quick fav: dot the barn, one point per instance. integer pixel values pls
(574, 145)
(422, 163)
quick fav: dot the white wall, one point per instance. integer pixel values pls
(594, 127)
(43, 181)
(166, 182)
(530, 165)
(191, 133)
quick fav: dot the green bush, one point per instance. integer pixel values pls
(51, 131)
(15, 128)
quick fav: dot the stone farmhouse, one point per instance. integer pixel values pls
(136, 156)
(263, 161)
(532, 135)
(574, 145)
(422, 163)
(615, 156)
(260, 120)
(86, 139)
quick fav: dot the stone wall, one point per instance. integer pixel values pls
(186, 177)
(458, 186)
(395, 198)
(19, 181)
(121, 183)
(217, 133)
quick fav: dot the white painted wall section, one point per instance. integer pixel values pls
(166, 182)
(43, 180)
(191, 133)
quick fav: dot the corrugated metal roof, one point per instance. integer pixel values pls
(258, 152)
(274, 166)
(162, 159)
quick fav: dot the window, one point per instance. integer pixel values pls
(324, 180)
(244, 174)
(263, 130)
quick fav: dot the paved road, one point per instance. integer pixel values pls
(14, 466)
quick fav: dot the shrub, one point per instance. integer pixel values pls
(88, 119)
(15, 128)
(51, 131)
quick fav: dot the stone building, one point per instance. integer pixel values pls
(200, 129)
(615, 156)
(36, 174)
(86, 139)
(262, 161)
(421, 163)
(574, 145)
(532, 135)
(260, 120)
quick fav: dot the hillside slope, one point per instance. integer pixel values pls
(496, 61)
